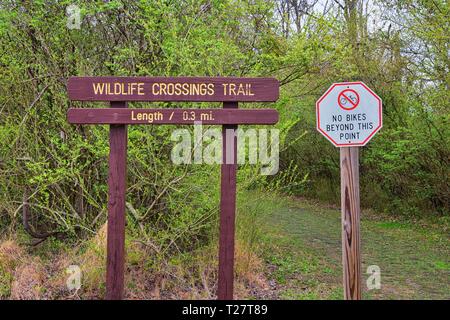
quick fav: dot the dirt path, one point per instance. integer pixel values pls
(303, 254)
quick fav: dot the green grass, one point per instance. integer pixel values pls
(392, 225)
(5, 283)
(301, 244)
(442, 265)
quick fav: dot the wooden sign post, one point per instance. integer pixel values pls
(117, 184)
(350, 215)
(227, 210)
(118, 91)
(348, 115)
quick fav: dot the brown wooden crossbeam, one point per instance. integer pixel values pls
(218, 89)
(172, 116)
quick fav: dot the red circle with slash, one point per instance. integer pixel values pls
(348, 99)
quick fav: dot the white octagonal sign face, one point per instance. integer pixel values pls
(349, 114)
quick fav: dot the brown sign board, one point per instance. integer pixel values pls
(171, 116)
(205, 89)
(120, 90)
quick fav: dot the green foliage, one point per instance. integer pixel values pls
(405, 168)
(62, 169)
(5, 283)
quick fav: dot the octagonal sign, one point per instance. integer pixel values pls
(349, 114)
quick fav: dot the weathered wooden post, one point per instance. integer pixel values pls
(350, 214)
(119, 90)
(227, 208)
(348, 115)
(117, 180)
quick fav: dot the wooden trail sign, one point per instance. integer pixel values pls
(119, 90)
(172, 116)
(348, 115)
(200, 89)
